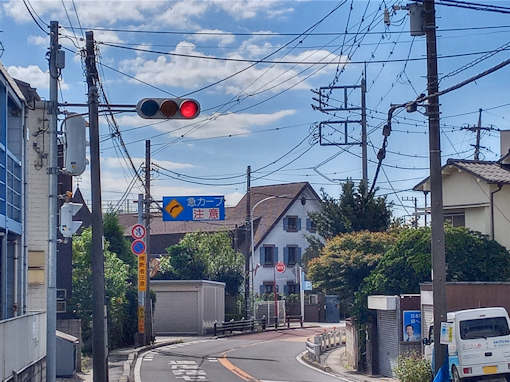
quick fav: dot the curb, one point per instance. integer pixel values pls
(301, 358)
(272, 329)
(128, 367)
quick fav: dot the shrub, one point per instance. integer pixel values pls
(413, 368)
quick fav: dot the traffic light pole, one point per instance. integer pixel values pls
(99, 364)
(51, 297)
(436, 186)
(148, 303)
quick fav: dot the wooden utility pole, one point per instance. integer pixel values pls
(436, 186)
(100, 369)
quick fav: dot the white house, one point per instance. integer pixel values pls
(476, 194)
(281, 224)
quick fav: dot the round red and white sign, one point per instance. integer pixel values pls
(138, 231)
(280, 267)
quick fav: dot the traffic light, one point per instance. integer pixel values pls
(168, 108)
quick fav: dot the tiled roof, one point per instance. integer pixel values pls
(265, 216)
(492, 172)
(489, 171)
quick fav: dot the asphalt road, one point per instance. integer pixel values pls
(261, 357)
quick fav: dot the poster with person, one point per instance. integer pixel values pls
(411, 325)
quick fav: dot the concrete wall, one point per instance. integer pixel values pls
(281, 238)
(37, 218)
(23, 343)
(187, 306)
(351, 344)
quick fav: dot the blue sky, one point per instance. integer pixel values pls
(259, 116)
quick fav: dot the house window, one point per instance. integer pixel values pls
(456, 219)
(269, 256)
(311, 226)
(267, 287)
(292, 287)
(291, 224)
(292, 256)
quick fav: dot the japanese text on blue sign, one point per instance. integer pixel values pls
(193, 208)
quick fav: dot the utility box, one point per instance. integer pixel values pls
(187, 306)
(67, 347)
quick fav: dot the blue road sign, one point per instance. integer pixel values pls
(138, 247)
(193, 208)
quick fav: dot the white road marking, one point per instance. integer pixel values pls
(188, 371)
(300, 360)
(212, 359)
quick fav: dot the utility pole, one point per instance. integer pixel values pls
(477, 147)
(248, 244)
(140, 339)
(100, 370)
(51, 297)
(436, 186)
(364, 154)
(148, 305)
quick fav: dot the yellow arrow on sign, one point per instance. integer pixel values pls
(174, 208)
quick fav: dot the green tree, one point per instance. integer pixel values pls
(114, 233)
(346, 260)
(208, 256)
(470, 256)
(116, 285)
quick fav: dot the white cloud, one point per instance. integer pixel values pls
(38, 40)
(191, 73)
(247, 9)
(115, 163)
(233, 198)
(179, 14)
(33, 75)
(223, 39)
(211, 126)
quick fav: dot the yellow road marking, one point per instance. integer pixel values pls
(234, 369)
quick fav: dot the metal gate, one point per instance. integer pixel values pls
(332, 308)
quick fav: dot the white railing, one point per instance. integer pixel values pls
(22, 342)
(323, 342)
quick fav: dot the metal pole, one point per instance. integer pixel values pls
(275, 296)
(415, 212)
(436, 187)
(252, 273)
(148, 318)
(100, 371)
(51, 297)
(425, 193)
(302, 292)
(248, 241)
(477, 146)
(364, 154)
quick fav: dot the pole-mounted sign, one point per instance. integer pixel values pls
(138, 232)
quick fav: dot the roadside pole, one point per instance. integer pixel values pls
(275, 297)
(148, 307)
(302, 292)
(51, 297)
(141, 292)
(249, 231)
(436, 186)
(100, 370)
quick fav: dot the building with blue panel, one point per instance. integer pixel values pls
(22, 330)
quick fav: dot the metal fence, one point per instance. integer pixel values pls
(266, 309)
(322, 343)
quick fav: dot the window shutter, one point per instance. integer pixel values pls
(275, 260)
(298, 255)
(285, 224)
(286, 255)
(299, 224)
(262, 252)
(309, 225)
(261, 289)
(285, 290)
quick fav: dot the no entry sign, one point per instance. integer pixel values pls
(280, 267)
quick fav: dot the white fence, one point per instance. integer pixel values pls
(266, 309)
(322, 343)
(22, 342)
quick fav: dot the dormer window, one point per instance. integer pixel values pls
(291, 224)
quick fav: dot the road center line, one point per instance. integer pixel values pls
(234, 369)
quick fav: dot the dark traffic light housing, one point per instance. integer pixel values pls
(168, 108)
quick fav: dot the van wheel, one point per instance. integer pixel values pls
(455, 375)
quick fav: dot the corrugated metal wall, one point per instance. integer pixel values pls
(176, 312)
(388, 340)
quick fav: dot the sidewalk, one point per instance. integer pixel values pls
(122, 360)
(335, 361)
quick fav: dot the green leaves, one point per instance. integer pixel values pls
(412, 367)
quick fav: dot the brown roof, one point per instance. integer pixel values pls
(489, 171)
(265, 216)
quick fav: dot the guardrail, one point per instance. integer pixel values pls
(322, 343)
(239, 326)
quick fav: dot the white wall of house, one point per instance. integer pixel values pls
(37, 216)
(281, 238)
(461, 188)
(478, 219)
(502, 215)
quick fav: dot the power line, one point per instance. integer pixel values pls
(33, 18)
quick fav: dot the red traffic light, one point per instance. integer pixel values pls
(168, 108)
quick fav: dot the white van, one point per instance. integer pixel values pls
(478, 344)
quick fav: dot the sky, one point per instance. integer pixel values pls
(260, 113)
